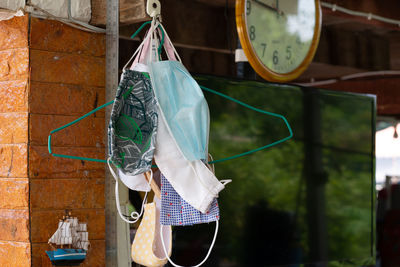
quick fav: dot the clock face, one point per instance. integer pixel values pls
(281, 32)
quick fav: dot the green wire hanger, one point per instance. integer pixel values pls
(203, 88)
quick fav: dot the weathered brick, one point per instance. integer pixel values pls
(67, 193)
(13, 161)
(14, 96)
(58, 67)
(14, 193)
(51, 35)
(14, 64)
(43, 165)
(88, 132)
(14, 128)
(95, 256)
(14, 33)
(14, 225)
(18, 254)
(44, 223)
(65, 99)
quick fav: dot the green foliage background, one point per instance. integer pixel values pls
(276, 176)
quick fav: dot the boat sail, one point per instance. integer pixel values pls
(70, 242)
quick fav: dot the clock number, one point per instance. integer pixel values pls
(288, 52)
(252, 32)
(264, 45)
(275, 58)
(248, 7)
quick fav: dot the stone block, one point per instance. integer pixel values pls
(86, 133)
(55, 67)
(14, 96)
(44, 223)
(14, 33)
(61, 194)
(18, 254)
(14, 64)
(14, 225)
(43, 165)
(65, 99)
(51, 35)
(14, 128)
(14, 161)
(14, 193)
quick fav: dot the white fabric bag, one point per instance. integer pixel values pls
(192, 180)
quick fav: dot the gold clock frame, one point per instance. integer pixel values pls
(255, 62)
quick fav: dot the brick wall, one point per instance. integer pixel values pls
(50, 74)
(67, 80)
(15, 248)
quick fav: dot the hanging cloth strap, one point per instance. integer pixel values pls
(208, 252)
(134, 215)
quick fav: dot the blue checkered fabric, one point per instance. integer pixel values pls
(176, 211)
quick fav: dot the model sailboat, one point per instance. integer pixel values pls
(70, 242)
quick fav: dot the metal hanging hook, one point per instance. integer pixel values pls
(153, 8)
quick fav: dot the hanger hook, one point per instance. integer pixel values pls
(153, 8)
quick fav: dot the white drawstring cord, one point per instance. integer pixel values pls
(226, 181)
(134, 215)
(148, 36)
(208, 253)
(154, 25)
(212, 168)
(169, 40)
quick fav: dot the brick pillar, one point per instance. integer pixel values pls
(15, 247)
(65, 79)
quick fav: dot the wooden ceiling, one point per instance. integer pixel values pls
(230, 3)
(206, 33)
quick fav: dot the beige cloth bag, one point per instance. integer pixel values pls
(147, 248)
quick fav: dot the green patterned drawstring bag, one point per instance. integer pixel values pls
(133, 124)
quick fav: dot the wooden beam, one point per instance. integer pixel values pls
(387, 90)
(387, 8)
(231, 3)
(395, 50)
(364, 49)
(130, 11)
(322, 71)
(195, 23)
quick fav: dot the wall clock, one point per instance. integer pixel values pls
(279, 38)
